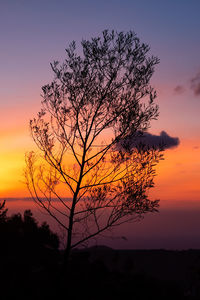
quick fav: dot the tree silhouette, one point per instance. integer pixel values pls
(29, 256)
(3, 212)
(25, 233)
(98, 103)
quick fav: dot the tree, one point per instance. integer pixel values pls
(99, 102)
(3, 212)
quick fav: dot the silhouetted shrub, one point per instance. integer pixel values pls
(29, 255)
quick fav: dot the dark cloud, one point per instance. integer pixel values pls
(149, 140)
(195, 84)
(179, 89)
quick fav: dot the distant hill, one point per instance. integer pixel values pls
(177, 269)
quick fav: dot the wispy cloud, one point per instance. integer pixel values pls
(179, 89)
(195, 84)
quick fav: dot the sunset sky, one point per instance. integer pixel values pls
(34, 33)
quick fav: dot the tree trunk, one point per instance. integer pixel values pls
(67, 251)
(65, 266)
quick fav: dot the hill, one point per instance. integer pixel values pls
(161, 273)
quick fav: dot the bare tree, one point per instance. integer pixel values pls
(98, 102)
(3, 211)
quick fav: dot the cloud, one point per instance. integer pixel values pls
(195, 84)
(179, 89)
(153, 141)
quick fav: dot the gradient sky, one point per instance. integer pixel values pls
(34, 33)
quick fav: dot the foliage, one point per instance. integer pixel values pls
(24, 234)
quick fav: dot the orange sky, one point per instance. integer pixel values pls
(177, 178)
(178, 175)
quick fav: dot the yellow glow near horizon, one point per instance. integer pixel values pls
(177, 176)
(10, 173)
(12, 150)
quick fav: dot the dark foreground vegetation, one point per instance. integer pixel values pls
(31, 265)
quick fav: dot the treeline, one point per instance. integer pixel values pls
(23, 231)
(29, 255)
